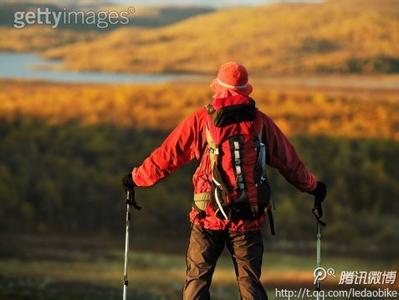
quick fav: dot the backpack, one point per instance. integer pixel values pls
(238, 162)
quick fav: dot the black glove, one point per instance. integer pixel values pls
(128, 182)
(319, 194)
(129, 185)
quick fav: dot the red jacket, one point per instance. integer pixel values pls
(188, 141)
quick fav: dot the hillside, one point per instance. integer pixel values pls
(297, 111)
(38, 38)
(357, 36)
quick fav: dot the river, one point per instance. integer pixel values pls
(32, 66)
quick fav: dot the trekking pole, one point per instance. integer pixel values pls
(318, 213)
(125, 280)
(318, 257)
(129, 201)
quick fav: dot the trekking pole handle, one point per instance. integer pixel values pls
(130, 199)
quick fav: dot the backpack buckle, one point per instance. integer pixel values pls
(214, 151)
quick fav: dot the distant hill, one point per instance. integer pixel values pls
(353, 36)
(39, 38)
(35, 38)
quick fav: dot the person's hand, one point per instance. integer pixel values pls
(320, 191)
(129, 185)
(319, 194)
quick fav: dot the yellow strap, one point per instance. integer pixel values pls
(201, 200)
(202, 196)
(213, 150)
(209, 138)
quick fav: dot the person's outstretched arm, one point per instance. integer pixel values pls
(181, 146)
(282, 156)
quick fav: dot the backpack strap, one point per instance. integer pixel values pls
(235, 146)
(271, 221)
(262, 152)
(220, 188)
(262, 164)
(213, 148)
(201, 200)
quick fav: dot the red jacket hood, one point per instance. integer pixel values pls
(220, 103)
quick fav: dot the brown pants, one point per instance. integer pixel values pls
(204, 249)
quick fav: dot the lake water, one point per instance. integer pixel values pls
(30, 66)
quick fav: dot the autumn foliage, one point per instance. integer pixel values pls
(371, 114)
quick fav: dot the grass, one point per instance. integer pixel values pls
(91, 268)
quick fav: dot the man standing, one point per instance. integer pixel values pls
(233, 141)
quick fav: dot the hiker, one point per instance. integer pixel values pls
(233, 141)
